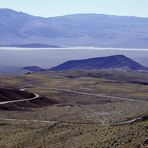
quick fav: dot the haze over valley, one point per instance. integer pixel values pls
(47, 58)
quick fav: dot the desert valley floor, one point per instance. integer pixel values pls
(75, 109)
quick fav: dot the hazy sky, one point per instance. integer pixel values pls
(49, 8)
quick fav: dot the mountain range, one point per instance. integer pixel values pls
(78, 30)
(115, 62)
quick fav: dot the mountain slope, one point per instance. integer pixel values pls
(111, 62)
(73, 30)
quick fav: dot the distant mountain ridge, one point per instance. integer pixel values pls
(80, 30)
(33, 69)
(117, 62)
(33, 45)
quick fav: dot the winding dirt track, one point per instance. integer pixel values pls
(77, 92)
(111, 97)
(98, 95)
(22, 100)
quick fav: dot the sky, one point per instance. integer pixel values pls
(49, 8)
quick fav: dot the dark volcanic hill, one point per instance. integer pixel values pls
(15, 94)
(95, 30)
(111, 62)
